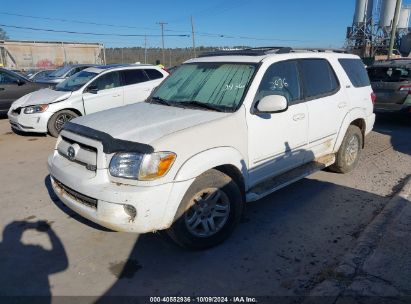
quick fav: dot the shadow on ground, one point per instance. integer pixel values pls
(286, 243)
(25, 268)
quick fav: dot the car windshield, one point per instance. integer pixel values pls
(61, 71)
(211, 86)
(76, 81)
(389, 74)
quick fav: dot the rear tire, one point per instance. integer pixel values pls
(349, 153)
(209, 212)
(57, 121)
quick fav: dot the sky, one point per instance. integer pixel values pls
(315, 23)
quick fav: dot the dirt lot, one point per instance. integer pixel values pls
(286, 244)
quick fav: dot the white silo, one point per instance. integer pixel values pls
(387, 12)
(363, 11)
(404, 18)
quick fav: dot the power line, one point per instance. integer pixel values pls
(90, 33)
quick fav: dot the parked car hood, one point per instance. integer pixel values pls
(43, 96)
(144, 122)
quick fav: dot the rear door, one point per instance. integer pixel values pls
(391, 86)
(109, 93)
(327, 105)
(139, 83)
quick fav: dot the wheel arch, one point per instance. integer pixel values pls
(354, 117)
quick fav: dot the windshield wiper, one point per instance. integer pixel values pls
(160, 101)
(207, 106)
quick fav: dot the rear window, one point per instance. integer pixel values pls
(356, 72)
(389, 74)
(134, 76)
(154, 74)
(318, 78)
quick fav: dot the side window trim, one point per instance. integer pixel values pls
(338, 87)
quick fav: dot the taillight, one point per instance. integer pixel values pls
(406, 88)
(373, 97)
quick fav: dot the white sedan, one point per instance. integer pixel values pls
(91, 90)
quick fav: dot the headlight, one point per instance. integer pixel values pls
(141, 166)
(36, 109)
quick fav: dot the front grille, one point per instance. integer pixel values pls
(85, 155)
(81, 198)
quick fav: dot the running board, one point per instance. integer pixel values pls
(273, 184)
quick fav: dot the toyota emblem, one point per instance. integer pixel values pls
(71, 153)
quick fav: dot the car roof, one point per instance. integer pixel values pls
(256, 55)
(102, 68)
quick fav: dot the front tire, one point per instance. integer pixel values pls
(349, 153)
(57, 121)
(209, 212)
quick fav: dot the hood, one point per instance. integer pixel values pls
(43, 96)
(144, 122)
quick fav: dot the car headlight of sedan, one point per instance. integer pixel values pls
(36, 109)
(141, 167)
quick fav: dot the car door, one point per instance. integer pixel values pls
(137, 85)
(277, 142)
(103, 93)
(11, 88)
(327, 104)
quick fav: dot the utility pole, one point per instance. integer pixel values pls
(145, 48)
(162, 39)
(394, 28)
(193, 35)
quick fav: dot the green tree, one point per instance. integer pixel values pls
(3, 34)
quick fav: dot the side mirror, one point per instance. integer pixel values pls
(92, 89)
(20, 82)
(272, 104)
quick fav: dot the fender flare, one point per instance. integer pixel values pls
(354, 114)
(209, 159)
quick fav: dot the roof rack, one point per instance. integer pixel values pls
(261, 51)
(320, 50)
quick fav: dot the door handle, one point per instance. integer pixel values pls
(2, 89)
(299, 116)
(342, 105)
(117, 95)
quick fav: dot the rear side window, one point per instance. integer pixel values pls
(318, 78)
(356, 72)
(134, 76)
(154, 74)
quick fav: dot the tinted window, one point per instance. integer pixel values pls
(5, 78)
(389, 74)
(281, 79)
(107, 81)
(154, 74)
(356, 72)
(318, 77)
(134, 76)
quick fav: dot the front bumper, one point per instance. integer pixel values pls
(29, 122)
(156, 206)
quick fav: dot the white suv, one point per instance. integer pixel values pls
(91, 90)
(222, 130)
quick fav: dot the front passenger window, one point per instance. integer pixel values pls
(281, 79)
(107, 81)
